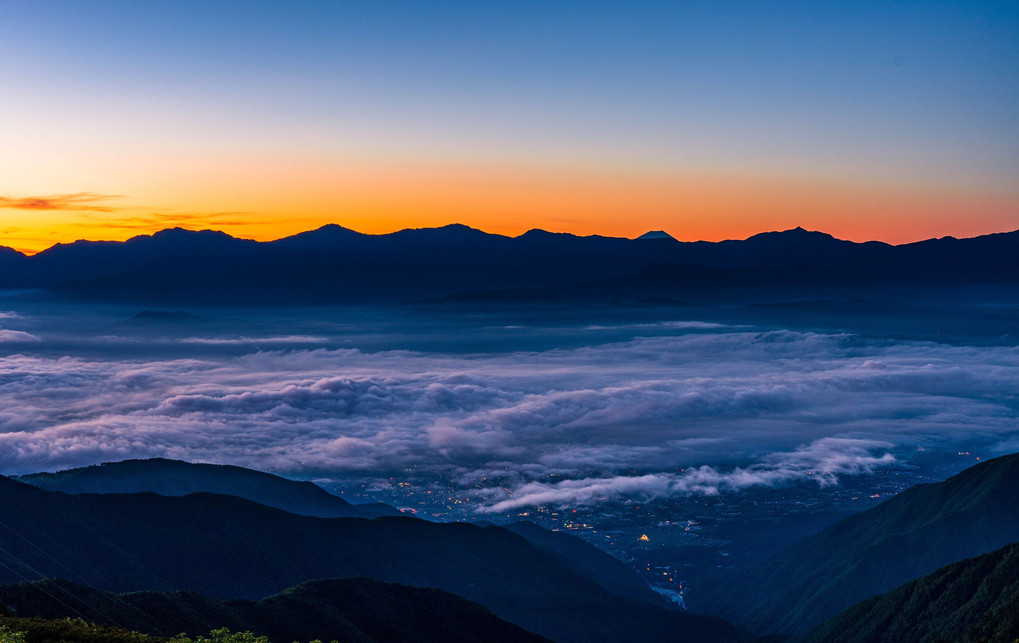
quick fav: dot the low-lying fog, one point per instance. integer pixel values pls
(618, 404)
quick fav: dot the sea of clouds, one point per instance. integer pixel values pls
(710, 410)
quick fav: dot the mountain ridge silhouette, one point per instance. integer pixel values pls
(336, 265)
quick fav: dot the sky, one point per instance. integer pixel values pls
(895, 121)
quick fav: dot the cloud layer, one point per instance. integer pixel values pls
(715, 410)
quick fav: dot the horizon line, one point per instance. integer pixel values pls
(29, 253)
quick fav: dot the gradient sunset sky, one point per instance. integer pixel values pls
(882, 120)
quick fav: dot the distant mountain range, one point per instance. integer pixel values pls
(919, 530)
(226, 547)
(334, 265)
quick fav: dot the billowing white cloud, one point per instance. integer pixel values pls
(821, 462)
(709, 411)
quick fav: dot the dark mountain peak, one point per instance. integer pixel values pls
(994, 242)
(458, 226)
(188, 238)
(798, 233)
(450, 230)
(538, 234)
(656, 234)
(328, 235)
(61, 247)
(174, 236)
(172, 240)
(330, 230)
(7, 251)
(178, 232)
(420, 239)
(333, 228)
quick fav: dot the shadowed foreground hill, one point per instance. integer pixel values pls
(66, 630)
(973, 600)
(923, 528)
(225, 547)
(176, 478)
(354, 610)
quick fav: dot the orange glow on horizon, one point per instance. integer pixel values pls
(265, 202)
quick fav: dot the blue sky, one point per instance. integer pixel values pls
(114, 98)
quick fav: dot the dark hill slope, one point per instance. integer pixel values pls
(587, 560)
(176, 478)
(352, 610)
(973, 600)
(923, 528)
(226, 547)
(14, 271)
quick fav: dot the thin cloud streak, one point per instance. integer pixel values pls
(146, 220)
(16, 336)
(75, 202)
(255, 341)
